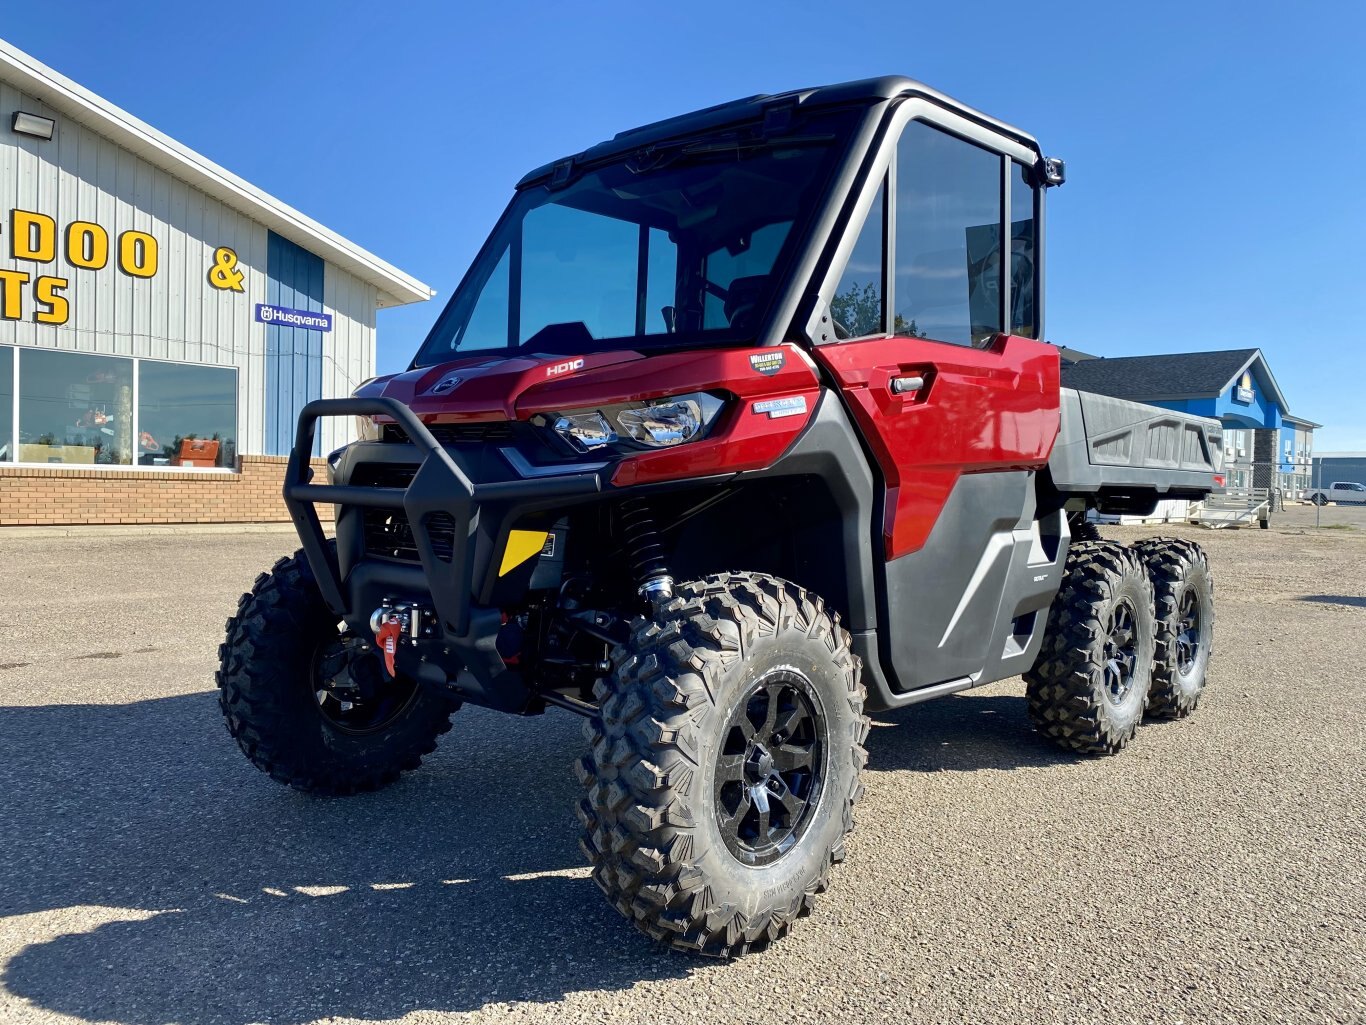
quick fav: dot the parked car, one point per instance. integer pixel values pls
(1343, 492)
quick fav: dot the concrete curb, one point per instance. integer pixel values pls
(147, 530)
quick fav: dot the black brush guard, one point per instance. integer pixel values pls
(439, 486)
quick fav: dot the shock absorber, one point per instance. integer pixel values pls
(645, 550)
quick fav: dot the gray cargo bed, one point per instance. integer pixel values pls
(1113, 444)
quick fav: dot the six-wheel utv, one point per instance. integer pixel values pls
(739, 426)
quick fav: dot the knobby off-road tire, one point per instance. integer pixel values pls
(672, 763)
(1183, 589)
(1089, 685)
(267, 689)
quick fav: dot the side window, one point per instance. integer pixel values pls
(948, 238)
(1024, 250)
(858, 308)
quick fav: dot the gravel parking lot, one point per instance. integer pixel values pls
(1213, 872)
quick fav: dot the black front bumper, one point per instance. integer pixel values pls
(458, 507)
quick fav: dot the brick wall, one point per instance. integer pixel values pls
(64, 495)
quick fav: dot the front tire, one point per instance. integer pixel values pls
(281, 712)
(1089, 685)
(724, 764)
(1184, 591)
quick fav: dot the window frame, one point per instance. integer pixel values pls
(882, 170)
(134, 467)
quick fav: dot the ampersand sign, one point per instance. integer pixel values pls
(224, 273)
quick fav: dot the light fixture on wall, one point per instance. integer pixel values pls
(32, 124)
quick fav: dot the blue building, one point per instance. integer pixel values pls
(1264, 446)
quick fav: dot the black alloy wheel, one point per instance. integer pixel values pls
(769, 767)
(1188, 632)
(351, 695)
(1120, 652)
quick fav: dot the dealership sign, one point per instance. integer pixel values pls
(285, 317)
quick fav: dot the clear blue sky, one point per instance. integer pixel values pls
(1216, 151)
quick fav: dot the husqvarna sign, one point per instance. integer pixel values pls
(286, 317)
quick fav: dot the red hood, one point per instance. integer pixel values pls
(489, 387)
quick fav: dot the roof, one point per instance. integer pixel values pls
(1170, 377)
(73, 101)
(751, 108)
(1299, 421)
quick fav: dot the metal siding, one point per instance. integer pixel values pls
(176, 315)
(294, 355)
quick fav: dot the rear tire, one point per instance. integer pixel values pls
(1183, 588)
(268, 691)
(1089, 685)
(724, 764)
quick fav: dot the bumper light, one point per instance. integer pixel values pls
(659, 423)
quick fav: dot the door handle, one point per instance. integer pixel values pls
(910, 383)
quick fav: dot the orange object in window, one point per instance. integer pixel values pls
(194, 452)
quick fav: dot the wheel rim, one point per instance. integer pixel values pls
(770, 767)
(1121, 643)
(1188, 632)
(356, 709)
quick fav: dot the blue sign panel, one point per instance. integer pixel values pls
(286, 317)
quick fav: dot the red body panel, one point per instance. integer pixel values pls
(523, 386)
(979, 410)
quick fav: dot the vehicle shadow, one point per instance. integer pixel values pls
(193, 889)
(965, 732)
(190, 888)
(1351, 600)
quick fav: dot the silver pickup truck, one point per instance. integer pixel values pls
(1343, 492)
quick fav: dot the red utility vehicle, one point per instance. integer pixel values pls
(739, 426)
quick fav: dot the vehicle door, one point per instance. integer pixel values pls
(930, 337)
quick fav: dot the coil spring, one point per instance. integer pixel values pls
(643, 545)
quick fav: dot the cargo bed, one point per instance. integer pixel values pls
(1121, 449)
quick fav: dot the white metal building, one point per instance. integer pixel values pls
(158, 314)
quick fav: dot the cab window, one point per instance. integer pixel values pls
(947, 284)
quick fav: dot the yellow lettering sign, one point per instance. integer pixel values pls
(224, 273)
(87, 245)
(138, 254)
(11, 293)
(47, 291)
(35, 237)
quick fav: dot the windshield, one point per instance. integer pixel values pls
(682, 243)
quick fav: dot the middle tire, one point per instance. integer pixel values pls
(1089, 685)
(724, 764)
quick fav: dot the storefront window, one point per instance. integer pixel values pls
(6, 404)
(187, 415)
(75, 408)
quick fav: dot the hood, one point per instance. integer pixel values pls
(484, 387)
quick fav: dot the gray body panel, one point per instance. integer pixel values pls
(1107, 443)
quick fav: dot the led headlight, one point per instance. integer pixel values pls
(586, 431)
(659, 423)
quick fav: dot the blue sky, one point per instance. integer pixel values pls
(1216, 151)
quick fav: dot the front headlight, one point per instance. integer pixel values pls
(659, 423)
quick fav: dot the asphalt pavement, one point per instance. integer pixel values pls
(1212, 872)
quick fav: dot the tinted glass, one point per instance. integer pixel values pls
(578, 266)
(1023, 255)
(488, 322)
(6, 404)
(857, 308)
(75, 408)
(948, 233)
(187, 415)
(594, 263)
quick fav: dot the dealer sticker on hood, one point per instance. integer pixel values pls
(768, 363)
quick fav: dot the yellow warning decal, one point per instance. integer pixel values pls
(522, 545)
